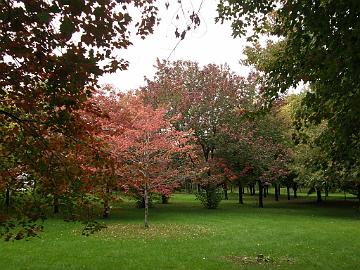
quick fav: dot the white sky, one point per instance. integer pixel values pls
(209, 43)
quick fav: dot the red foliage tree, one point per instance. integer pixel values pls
(208, 98)
(51, 55)
(142, 141)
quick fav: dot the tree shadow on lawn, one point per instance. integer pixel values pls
(193, 211)
(331, 207)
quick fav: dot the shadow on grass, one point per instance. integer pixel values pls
(179, 210)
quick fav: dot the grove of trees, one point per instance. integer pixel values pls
(68, 145)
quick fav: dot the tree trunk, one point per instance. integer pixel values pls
(276, 192)
(241, 201)
(295, 187)
(326, 191)
(267, 190)
(164, 199)
(252, 189)
(279, 190)
(288, 192)
(261, 188)
(146, 199)
(318, 195)
(56, 204)
(106, 209)
(264, 192)
(7, 198)
(187, 187)
(225, 191)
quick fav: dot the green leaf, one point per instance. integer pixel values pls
(67, 28)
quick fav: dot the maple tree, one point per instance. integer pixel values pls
(233, 141)
(143, 143)
(51, 55)
(256, 152)
(207, 97)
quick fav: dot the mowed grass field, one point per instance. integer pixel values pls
(296, 234)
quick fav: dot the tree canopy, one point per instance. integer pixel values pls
(317, 44)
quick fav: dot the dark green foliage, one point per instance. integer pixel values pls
(92, 227)
(140, 201)
(210, 197)
(17, 229)
(318, 46)
(165, 199)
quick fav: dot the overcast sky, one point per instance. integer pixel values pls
(209, 43)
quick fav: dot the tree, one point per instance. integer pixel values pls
(257, 150)
(270, 155)
(143, 143)
(206, 98)
(317, 44)
(311, 166)
(50, 54)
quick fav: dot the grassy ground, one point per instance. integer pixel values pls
(284, 235)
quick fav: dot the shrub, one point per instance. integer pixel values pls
(210, 197)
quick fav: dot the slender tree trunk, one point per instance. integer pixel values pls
(267, 190)
(225, 191)
(318, 195)
(295, 187)
(164, 199)
(56, 204)
(231, 188)
(252, 189)
(276, 192)
(264, 192)
(198, 188)
(288, 192)
(7, 198)
(146, 199)
(106, 209)
(326, 191)
(241, 201)
(261, 188)
(279, 190)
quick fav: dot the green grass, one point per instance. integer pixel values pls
(291, 235)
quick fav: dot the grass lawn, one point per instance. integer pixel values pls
(284, 235)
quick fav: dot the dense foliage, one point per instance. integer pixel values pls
(69, 148)
(317, 43)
